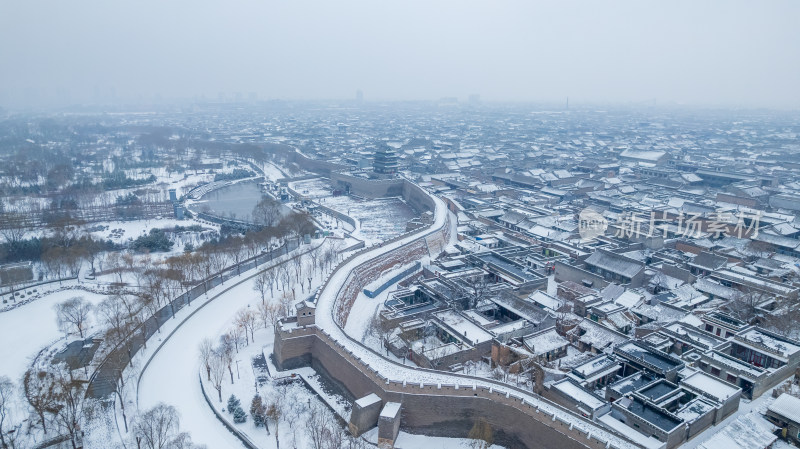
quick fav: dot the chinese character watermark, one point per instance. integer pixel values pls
(591, 224)
(716, 225)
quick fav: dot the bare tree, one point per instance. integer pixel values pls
(275, 409)
(378, 328)
(297, 264)
(563, 313)
(271, 278)
(309, 273)
(239, 326)
(316, 257)
(69, 397)
(249, 321)
(300, 224)
(113, 313)
(53, 262)
(270, 313)
(123, 393)
(267, 212)
(325, 259)
(217, 369)
(261, 284)
(252, 245)
(293, 412)
(8, 392)
(218, 260)
(760, 248)
(237, 251)
(286, 278)
(115, 265)
(39, 388)
(329, 256)
(286, 302)
(158, 427)
(477, 288)
(333, 436)
(744, 305)
(316, 424)
(150, 307)
(246, 320)
(184, 441)
(13, 227)
(206, 352)
(226, 348)
(73, 315)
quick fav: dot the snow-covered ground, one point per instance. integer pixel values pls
(27, 330)
(172, 375)
(357, 328)
(312, 188)
(297, 396)
(378, 220)
(24, 331)
(181, 388)
(272, 172)
(121, 231)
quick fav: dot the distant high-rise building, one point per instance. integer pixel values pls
(385, 160)
(475, 98)
(359, 96)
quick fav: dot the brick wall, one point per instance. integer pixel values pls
(441, 410)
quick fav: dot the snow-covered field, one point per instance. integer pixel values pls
(379, 220)
(312, 188)
(272, 172)
(24, 331)
(121, 231)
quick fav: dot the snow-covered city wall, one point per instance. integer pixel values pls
(434, 402)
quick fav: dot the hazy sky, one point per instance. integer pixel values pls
(694, 52)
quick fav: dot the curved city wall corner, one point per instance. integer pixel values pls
(440, 409)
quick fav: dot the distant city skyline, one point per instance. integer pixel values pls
(739, 54)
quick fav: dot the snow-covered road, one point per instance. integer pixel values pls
(171, 376)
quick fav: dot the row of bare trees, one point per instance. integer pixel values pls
(283, 403)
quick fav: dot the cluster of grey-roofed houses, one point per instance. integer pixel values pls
(655, 327)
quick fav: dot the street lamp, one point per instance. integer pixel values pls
(237, 369)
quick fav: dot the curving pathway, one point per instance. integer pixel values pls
(171, 376)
